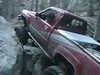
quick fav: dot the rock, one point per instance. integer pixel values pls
(2, 20)
(9, 49)
(30, 57)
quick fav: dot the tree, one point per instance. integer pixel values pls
(13, 6)
(32, 3)
(10, 8)
(53, 2)
(6, 8)
(37, 4)
(42, 4)
(59, 3)
(97, 32)
(72, 5)
(64, 4)
(91, 9)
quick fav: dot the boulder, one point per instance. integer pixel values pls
(10, 49)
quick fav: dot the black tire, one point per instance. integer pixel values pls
(41, 65)
(54, 70)
(22, 34)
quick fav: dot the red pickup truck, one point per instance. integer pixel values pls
(62, 37)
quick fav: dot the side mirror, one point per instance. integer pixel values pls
(37, 15)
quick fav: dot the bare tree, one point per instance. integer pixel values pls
(13, 6)
(6, 7)
(91, 9)
(42, 4)
(97, 32)
(59, 3)
(32, 4)
(37, 5)
(72, 5)
(52, 2)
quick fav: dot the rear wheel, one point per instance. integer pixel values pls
(41, 65)
(22, 34)
(54, 70)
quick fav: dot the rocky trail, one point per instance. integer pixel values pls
(13, 56)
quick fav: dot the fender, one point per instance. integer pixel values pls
(26, 15)
(69, 57)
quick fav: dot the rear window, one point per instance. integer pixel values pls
(73, 24)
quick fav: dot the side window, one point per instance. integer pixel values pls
(48, 16)
(73, 22)
(76, 23)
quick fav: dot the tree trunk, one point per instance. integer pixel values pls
(13, 11)
(6, 8)
(91, 9)
(72, 5)
(32, 3)
(52, 2)
(37, 4)
(97, 32)
(59, 3)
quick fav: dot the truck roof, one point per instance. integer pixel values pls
(64, 12)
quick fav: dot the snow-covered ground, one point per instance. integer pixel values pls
(9, 49)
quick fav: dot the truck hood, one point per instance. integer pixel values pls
(27, 11)
(78, 37)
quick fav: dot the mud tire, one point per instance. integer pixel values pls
(22, 34)
(41, 65)
(54, 70)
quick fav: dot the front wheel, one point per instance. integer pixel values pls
(22, 34)
(54, 70)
